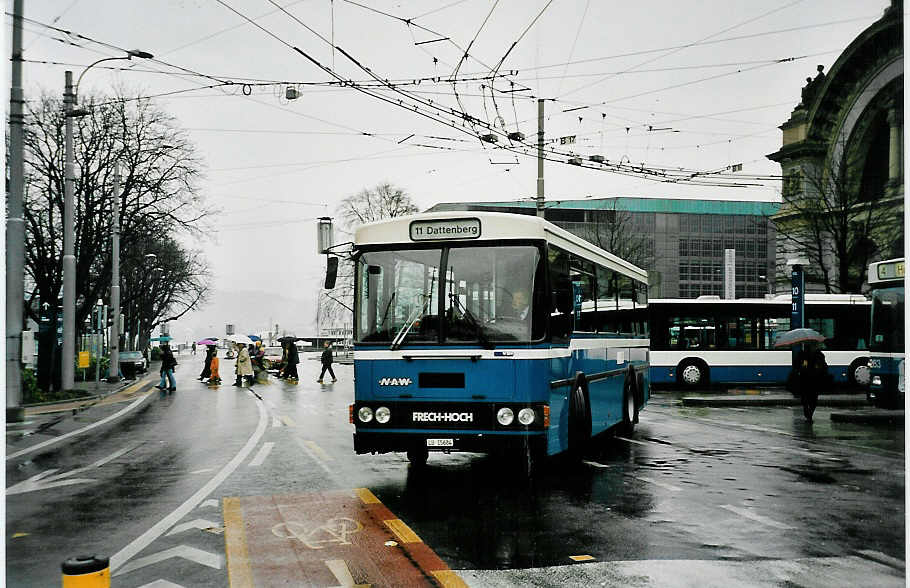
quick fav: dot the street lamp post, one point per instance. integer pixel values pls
(114, 371)
(69, 257)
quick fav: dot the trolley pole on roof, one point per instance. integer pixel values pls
(540, 157)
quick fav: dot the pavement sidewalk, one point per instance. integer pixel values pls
(54, 424)
(856, 407)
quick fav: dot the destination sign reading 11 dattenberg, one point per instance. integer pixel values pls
(457, 228)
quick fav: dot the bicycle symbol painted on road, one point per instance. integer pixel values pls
(336, 530)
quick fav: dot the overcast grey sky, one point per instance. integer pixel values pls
(695, 84)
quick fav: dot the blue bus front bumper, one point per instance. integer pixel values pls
(371, 441)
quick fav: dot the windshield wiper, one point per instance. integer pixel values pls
(406, 328)
(478, 328)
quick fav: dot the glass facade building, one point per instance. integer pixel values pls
(680, 243)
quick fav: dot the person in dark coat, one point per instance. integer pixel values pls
(293, 358)
(207, 365)
(168, 363)
(327, 363)
(812, 376)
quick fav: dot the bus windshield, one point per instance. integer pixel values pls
(487, 295)
(888, 320)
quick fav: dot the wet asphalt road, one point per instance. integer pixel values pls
(734, 496)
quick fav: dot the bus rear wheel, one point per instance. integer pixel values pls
(858, 373)
(628, 409)
(418, 456)
(692, 373)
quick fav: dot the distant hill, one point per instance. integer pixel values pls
(251, 312)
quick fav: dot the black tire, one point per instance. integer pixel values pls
(579, 422)
(629, 409)
(692, 373)
(418, 456)
(858, 373)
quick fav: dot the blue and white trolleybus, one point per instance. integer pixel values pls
(469, 336)
(886, 360)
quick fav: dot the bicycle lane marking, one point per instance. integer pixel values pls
(159, 528)
(311, 539)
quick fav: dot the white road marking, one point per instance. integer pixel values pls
(210, 502)
(595, 464)
(45, 480)
(276, 422)
(212, 560)
(194, 524)
(636, 442)
(659, 484)
(263, 453)
(747, 513)
(161, 584)
(50, 442)
(143, 541)
(202, 471)
(341, 572)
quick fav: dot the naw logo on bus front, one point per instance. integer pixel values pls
(395, 381)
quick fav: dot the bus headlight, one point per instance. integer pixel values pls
(876, 380)
(365, 414)
(383, 414)
(505, 416)
(526, 416)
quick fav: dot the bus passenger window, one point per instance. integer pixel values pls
(561, 294)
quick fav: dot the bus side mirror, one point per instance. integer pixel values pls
(331, 272)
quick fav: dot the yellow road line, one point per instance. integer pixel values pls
(288, 421)
(402, 531)
(366, 496)
(319, 451)
(240, 574)
(448, 579)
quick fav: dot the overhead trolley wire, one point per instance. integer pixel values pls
(671, 52)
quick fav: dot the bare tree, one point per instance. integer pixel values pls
(615, 230)
(158, 197)
(836, 215)
(369, 205)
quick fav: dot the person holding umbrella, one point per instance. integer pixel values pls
(810, 371)
(293, 358)
(206, 366)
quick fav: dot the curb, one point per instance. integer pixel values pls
(776, 400)
(143, 397)
(871, 417)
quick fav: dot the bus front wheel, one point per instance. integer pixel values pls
(418, 456)
(579, 422)
(692, 373)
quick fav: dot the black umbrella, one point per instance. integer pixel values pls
(288, 339)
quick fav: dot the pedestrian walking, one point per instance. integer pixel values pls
(327, 363)
(215, 377)
(168, 363)
(207, 367)
(812, 375)
(194, 348)
(290, 364)
(243, 367)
